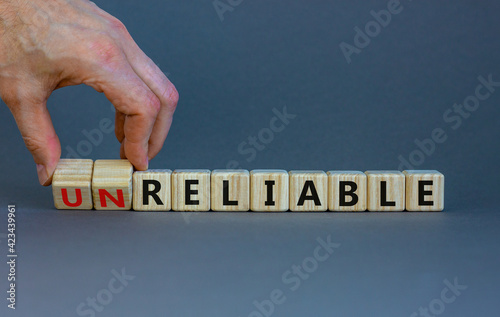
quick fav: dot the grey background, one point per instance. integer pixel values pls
(363, 115)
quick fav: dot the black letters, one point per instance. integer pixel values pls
(225, 195)
(343, 193)
(422, 193)
(314, 195)
(383, 195)
(153, 193)
(269, 201)
(189, 192)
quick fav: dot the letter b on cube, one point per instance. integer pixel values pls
(346, 191)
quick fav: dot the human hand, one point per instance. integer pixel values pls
(50, 44)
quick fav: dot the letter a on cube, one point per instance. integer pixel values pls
(152, 190)
(308, 190)
(71, 184)
(424, 190)
(112, 185)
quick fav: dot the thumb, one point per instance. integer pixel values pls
(34, 123)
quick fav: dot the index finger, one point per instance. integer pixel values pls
(132, 97)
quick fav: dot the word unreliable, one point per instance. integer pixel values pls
(113, 185)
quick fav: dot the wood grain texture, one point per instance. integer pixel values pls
(233, 197)
(311, 185)
(277, 188)
(390, 197)
(112, 185)
(197, 185)
(431, 196)
(71, 184)
(158, 188)
(346, 181)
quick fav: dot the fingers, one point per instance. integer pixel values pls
(119, 123)
(151, 75)
(143, 96)
(137, 107)
(35, 125)
(159, 84)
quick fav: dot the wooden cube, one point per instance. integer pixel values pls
(308, 190)
(191, 190)
(424, 190)
(230, 190)
(386, 190)
(346, 191)
(269, 190)
(112, 185)
(152, 190)
(71, 184)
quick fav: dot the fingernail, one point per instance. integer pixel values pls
(146, 162)
(43, 176)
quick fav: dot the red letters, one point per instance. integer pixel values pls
(120, 202)
(65, 198)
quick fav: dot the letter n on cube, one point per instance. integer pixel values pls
(112, 185)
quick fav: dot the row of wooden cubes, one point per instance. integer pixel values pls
(113, 185)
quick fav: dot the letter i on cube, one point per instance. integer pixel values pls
(269, 190)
